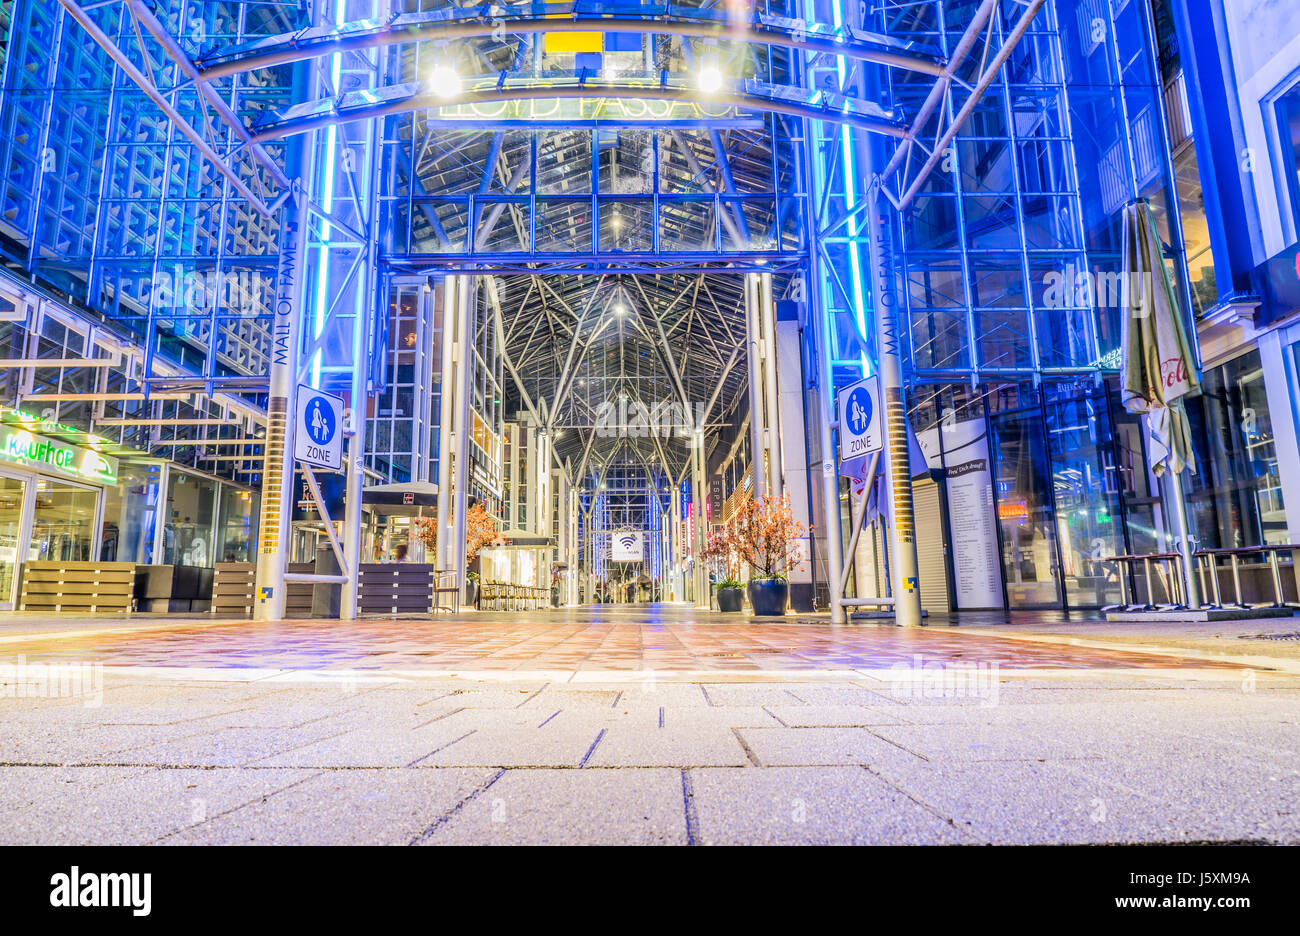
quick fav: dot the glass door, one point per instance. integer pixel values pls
(1024, 502)
(63, 524)
(12, 494)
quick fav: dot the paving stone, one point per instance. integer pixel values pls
(134, 807)
(795, 747)
(555, 807)
(1031, 802)
(977, 743)
(810, 806)
(825, 716)
(342, 807)
(682, 746)
(549, 746)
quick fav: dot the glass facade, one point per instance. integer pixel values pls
(151, 272)
(1235, 498)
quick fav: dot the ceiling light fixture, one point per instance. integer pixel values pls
(710, 78)
(444, 80)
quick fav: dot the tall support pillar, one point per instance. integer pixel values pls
(465, 307)
(286, 347)
(446, 292)
(830, 476)
(700, 573)
(675, 542)
(453, 431)
(754, 357)
(771, 398)
(889, 362)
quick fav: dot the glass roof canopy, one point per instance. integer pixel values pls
(612, 164)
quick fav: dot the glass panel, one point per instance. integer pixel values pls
(238, 527)
(130, 515)
(1088, 520)
(63, 527)
(187, 535)
(1235, 498)
(1024, 503)
(11, 512)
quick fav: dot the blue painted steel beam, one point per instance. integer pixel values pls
(668, 19)
(746, 95)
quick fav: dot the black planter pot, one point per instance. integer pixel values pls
(730, 598)
(471, 593)
(769, 596)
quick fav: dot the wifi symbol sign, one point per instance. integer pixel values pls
(627, 540)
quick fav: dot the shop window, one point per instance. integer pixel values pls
(1236, 497)
(131, 515)
(1024, 500)
(187, 533)
(1287, 114)
(237, 529)
(1086, 492)
(12, 493)
(63, 526)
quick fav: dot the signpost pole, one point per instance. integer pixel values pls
(889, 365)
(277, 471)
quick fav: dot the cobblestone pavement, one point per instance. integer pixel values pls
(595, 726)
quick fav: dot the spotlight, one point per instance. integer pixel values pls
(620, 310)
(710, 78)
(444, 81)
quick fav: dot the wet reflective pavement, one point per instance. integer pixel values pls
(632, 725)
(591, 639)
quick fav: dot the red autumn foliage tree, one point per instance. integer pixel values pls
(766, 535)
(480, 530)
(721, 556)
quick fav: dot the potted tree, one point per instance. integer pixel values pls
(480, 531)
(720, 554)
(767, 539)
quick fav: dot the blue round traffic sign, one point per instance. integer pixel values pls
(858, 411)
(320, 422)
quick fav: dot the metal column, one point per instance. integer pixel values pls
(772, 416)
(286, 346)
(889, 363)
(697, 508)
(757, 412)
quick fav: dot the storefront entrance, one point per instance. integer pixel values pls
(44, 518)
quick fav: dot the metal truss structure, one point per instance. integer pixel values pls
(902, 169)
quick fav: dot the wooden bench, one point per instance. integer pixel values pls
(513, 597)
(85, 587)
(396, 588)
(234, 589)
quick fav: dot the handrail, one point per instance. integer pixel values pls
(1234, 553)
(1177, 602)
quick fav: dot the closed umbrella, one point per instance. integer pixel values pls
(1158, 367)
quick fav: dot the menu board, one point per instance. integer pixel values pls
(961, 451)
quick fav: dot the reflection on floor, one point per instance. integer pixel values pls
(594, 638)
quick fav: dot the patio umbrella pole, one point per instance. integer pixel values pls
(1191, 589)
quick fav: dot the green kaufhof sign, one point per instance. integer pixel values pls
(20, 447)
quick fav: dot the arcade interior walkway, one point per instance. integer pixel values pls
(634, 724)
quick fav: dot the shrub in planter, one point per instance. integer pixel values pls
(724, 562)
(731, 595)
(766, 536)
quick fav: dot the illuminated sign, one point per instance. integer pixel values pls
(37, 452)
(626, 547)
(1013, 510)
(568, 110)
